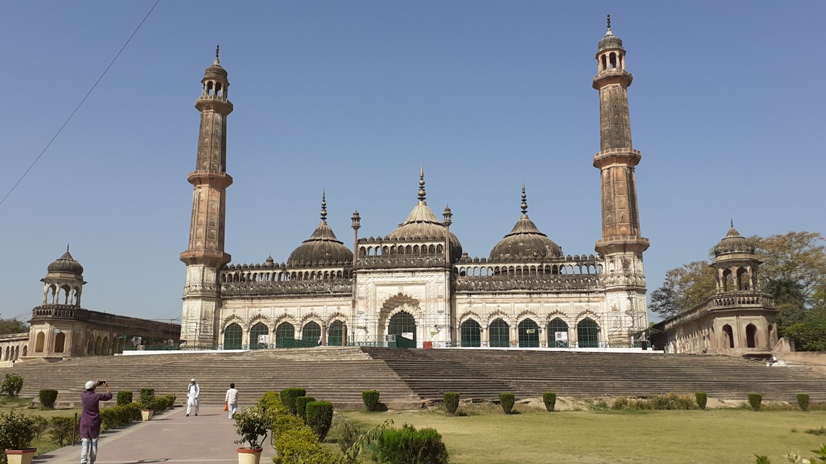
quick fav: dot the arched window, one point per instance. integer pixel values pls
(528, 334)
(587, 332)
(284, 335)
(751, 336)
(471, 334)
(499, 334)
(336, 335)
(403, 326)
(232, 337)
(558, 333)
(311, 332)
(728, 335)
(39, 342)
(259, 336)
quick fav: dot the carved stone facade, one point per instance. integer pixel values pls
(415, 286)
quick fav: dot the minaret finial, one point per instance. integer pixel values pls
(218, 52)
(609, 21)
(323, 206)
(524, 200)
(421, 184)
(67, 248)
(732, 223)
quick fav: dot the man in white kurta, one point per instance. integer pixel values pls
(192, 397)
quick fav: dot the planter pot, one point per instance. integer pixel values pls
(23, 456)
(249, 455)
(146, 414)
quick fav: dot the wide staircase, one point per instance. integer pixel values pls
(407, 378)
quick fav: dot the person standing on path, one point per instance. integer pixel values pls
(231, 400)
(90, 420)
(192, 397)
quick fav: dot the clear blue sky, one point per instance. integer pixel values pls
(727, 107)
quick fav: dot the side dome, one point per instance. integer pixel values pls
(610, 41)
(66, 265)
(525, 241)
(322, 248)
(733, 243)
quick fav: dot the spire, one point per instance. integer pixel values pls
(732, 223)
(67, 248)
(524, 201)
(421, 184)
(609, 26)
(218, 47)
(323, 206)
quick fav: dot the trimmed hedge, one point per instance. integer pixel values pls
(124, 397)
(320, 417)
(371, 399)
(803, 401)
(550, 400)
(48, 398)
(301, 406)
(754, 400)
(702, 399)
(410, 446)
(451, 402)
(506, 399)
(288, 396)
(147, 398)
(271, 403)
(117, 416)
(295, 442)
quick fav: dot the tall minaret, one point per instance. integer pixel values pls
(621, 243)
(205, 255)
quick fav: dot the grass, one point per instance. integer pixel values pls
(484, 435)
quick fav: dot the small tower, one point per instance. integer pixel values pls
(205, 255)
(622, 244)
(63, 283)
(736, 264)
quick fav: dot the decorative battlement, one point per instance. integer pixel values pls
(330, 287)
(528, 282)
(401, 261)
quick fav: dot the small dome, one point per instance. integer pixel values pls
(66, 264)
(733, 243)
(610, 40)
(322, 248)
(525, 241)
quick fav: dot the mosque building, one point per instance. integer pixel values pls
(415, 286)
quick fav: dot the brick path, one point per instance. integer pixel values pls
(168, 438)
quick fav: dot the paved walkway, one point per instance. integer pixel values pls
(169, 437)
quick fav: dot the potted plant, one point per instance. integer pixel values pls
(147, 403)
(252, 425)
(17, 432)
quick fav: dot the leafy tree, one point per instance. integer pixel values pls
(798, 257)
(12, 326)
(684, 288)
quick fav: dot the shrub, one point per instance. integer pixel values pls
(371, 399)
(451, 402)
(288, 396)
(348, 433)
(47, 398)
(147, 398)
(803, 401)
(62, 429)
(506, 399)
(296, 443)
(271, 403)
(11, 385)
(252, 425)
(42, 424)
(669, 401)
(320, 417)
(550, 401)
(702, 399)
(117, 416)
(410, 446)
(754, 400)
(124, 397)
(301, 406)
(17, 431)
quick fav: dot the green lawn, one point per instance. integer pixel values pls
(713, 436)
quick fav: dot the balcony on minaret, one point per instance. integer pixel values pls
(214, 178)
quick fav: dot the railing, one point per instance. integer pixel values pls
(541, 282)
(292, 287)
(142, 327)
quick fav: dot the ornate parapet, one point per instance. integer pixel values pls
(120, 324)
(537, 283)
(292, 287)
(425, 261)
(740, 300)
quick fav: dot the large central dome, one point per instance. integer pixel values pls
(525, 241)
(322, 248)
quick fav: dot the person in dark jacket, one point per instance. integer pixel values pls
(90, 420)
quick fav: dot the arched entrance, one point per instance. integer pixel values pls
(558, 333)
(259, 336)
(336, 335)
(587, 333)
(471, 334)
(284, 335)
(728, 335)
(403, 326)
(311, 333)
(528, 334)
(59, 341)
(39, 342)
(500, 336)
(232, 337)
(751, 336)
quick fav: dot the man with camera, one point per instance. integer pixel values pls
(90, 419)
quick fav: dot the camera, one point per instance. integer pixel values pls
(101, 382)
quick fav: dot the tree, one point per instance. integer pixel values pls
(12, 326)
(794, 257)
(684, 288)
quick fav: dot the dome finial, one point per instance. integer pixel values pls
(323, 205)
(421, 184)
(732, 223)
(218, 51)
(609, 26)
(67, 248)
(524, 200)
